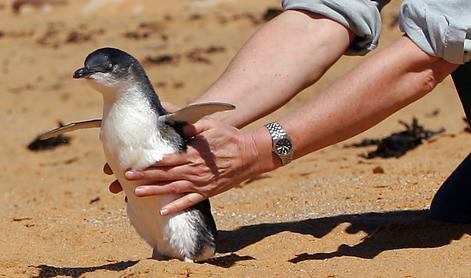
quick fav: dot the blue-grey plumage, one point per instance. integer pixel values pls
(135, 135)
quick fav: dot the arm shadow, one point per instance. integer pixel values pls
(385, 231)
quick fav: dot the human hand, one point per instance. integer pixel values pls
(115, 186)
(218, 158)
(170, 107)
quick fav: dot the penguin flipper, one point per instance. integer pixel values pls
(70, 127)
(192, 113)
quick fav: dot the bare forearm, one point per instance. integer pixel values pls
(286, 55)
(384, 83)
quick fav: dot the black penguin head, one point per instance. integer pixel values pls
(109, 69)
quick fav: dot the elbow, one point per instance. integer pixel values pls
(429, 80)
(434, 74)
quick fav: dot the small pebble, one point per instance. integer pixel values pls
(378, 170)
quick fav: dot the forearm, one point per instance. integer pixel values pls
(286, 55)
(384, 83)
(223, 156)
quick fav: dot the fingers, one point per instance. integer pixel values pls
(171, 167)
(107, 169)
(170, 107)
(182, 203)
(115, 187)
(158, 171)
(189, 130)
(154, 174)
(200, 126)
(176, 187)
(173, 160)
(170, 160)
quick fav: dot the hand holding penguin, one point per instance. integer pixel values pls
(218, 158)
(136, 131)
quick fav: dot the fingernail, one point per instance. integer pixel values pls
(132, 174)
(163, 211)
(139, 190)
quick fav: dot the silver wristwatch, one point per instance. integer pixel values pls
(281, 142)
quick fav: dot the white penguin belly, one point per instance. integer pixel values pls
(170, 236)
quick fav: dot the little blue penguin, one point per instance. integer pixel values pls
(136, 132)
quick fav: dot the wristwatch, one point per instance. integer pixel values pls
(281, 143)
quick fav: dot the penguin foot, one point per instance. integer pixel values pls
(159, 257)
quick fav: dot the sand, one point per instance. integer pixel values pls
(325, 215)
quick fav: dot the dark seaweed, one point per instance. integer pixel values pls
(468, 127)
(161, 59)
(399, 143)
(78, 37)
(48, 144)
(199, 55)
(271, 13)
(94, 200)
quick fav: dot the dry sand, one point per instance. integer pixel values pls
(325, 215)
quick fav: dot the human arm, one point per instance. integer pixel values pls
(384, 83)
(286, 55)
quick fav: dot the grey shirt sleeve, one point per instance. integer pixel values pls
(440, 28)
(360, 16)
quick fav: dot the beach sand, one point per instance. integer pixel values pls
(325, 215)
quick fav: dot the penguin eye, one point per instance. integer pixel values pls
(107, 67)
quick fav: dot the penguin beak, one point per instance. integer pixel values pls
(83, 72)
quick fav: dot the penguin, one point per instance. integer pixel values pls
(136, 131)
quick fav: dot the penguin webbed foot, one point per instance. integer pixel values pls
(188, 260)
(159, 257)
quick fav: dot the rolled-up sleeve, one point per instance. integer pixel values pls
(440, 28)
(362, 17)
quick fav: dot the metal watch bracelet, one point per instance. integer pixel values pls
(282, 144)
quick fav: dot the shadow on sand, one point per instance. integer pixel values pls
(52, 271)
(385, 231)
(228, 261)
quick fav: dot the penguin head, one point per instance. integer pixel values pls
(111, 70)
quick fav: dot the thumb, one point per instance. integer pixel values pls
(182, 203)
(170, 106)
(200, 126)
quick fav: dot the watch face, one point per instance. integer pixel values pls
(283, 146)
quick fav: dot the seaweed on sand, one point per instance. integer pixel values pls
(51, 143)
(399, 143)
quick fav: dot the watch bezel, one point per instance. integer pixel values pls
(287, 139)
(277, 134)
